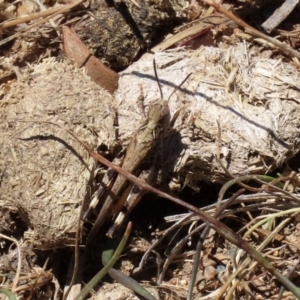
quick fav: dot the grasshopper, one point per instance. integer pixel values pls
(139, 147)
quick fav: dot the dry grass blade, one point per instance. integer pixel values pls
(49, 12)
(226, 232)
(220, 209)
(236, 284)
(179, 223)
(284, 48)
(205, 24)
(44, 20)
(16, 280)
(239, 273)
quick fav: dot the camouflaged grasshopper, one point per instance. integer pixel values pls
(140, 146)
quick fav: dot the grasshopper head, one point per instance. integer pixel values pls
(159, 115)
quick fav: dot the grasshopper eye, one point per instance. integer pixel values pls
(165, 110)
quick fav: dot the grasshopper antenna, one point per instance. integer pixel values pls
(179, 86)
(175, 90)
(157, 80)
